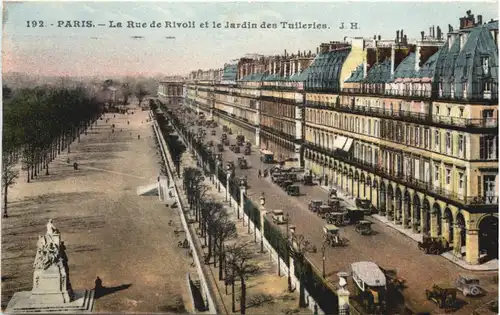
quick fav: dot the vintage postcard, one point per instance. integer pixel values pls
(250, 157)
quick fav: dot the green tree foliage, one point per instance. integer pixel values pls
(41, 122)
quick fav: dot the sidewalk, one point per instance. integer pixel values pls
(487, 266)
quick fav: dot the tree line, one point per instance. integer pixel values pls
(38, 124)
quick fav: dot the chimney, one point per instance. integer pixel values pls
(479, 20)
(405, 40)
(285, 52)
(393, 55)
(401, 35)
(439, 33)
(397, 36)
(379, 37)
(451, 39)
(374, 37)
(317, 50)
(274, 67)
(417, 57)
(422, 35)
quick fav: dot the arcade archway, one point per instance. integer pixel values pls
(488, 237)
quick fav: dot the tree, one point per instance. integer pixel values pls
(9, 176)
(298, 247)
(224, 229)
(140, 92)
(210, 212)
(238, 256)
(126, 92)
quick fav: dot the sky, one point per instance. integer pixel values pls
(103, 50)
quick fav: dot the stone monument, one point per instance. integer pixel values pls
(52, 291)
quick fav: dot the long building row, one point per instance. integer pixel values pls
(411, 125)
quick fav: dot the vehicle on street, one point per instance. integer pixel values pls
(230, 131)
(293, 190)
(247, 151)
(469, 285)
(286, 183)
(240, 139)
(235, 148)
(266, 156)
(323, 210)
(370, 285)
(248, 144)
(354, 215)
(314, 205)
(335, 204)
(443, 295)
(337, 218)
(277, 178)
(210, 143)
(224, 128)
(223, 136)
(278, 217)
(226, 142)
(432, 245)
(364, 227)
(230, 166)
(242, 163)
(332, 235)
(365, 205)
(307, 180)
(213, 132)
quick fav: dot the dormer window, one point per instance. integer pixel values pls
(440, 88)
(487, 90)
(485, 62)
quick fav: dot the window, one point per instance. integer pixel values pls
(448, 176)
(417, 136)
(437, 110)
(436, 172)
(426, 138)
(461, 144)
(487, 90)
(452, 89)
(485, 62)
(448, 142)
(488, 149)
(460, 181)
(449, 111)
(461, 111)
(436, 140)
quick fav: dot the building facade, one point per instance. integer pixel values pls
(411, 125)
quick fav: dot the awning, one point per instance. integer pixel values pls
(339, 142)
(348, 144)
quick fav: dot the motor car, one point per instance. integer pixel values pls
(469, 285)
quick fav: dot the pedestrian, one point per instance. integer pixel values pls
(98, 287)
(260, 174)
(320, 180)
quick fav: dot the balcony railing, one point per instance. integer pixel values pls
(406, 180)
(410, 116)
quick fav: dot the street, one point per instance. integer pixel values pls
(387, 248)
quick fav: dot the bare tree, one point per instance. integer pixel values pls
(238, 257)
(224, 229)
(9, 176)
(210, 212)
(298, 247)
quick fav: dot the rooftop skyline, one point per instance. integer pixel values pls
(105, 50)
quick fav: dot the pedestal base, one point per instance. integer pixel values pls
(26, 302)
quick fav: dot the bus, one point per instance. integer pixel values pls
(266, 156)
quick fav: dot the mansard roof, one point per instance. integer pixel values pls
(357, 75)
(230, 72)
(324, 72)
(379, 73)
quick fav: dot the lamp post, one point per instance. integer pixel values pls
(262, 203)
(288, 244)
(323, 249)
(228, 176)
